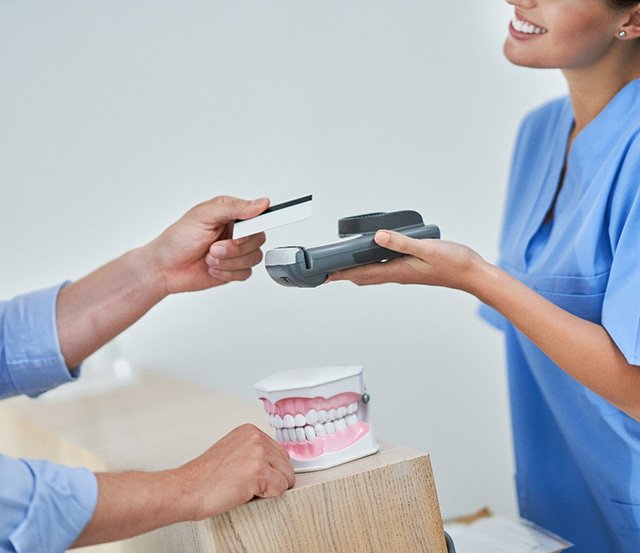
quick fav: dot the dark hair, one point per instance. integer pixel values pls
(623, 4)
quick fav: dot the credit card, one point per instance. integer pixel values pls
(276, 216)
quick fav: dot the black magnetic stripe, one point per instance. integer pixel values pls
(290, 203)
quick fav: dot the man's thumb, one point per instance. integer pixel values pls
(253, 208)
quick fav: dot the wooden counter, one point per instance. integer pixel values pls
(384, 503)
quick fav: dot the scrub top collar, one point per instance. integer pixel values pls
(598, 138)
(593, 144)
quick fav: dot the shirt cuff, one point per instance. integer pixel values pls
(32, 348)
(62, 504)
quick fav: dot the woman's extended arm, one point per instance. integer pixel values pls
(581, 348)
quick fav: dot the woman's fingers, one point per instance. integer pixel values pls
(374, 273)
(399, 242)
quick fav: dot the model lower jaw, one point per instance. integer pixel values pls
(338, 441)
(328, 424)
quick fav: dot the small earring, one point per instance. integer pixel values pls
(622, 34)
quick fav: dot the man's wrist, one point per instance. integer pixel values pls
(182, 497)
(149, 270)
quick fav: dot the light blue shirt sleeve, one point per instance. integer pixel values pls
(43, 506)
(30, 358)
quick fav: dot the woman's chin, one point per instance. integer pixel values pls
(516, 56)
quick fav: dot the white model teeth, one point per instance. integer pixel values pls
(527, 28)
(310, 433)
(312, 417)
(315, 424)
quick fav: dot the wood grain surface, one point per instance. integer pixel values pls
(383, 503)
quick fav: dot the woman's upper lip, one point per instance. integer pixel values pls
(523, 18)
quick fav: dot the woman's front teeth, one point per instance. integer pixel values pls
(527, 28)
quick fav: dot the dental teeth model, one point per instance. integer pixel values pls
(320, 416)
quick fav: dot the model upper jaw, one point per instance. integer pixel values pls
(523, 26)
(319, 415)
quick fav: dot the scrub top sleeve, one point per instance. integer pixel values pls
(621, 305)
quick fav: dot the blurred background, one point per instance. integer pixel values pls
(116, 117)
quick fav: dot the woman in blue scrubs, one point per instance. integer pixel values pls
(566, 290)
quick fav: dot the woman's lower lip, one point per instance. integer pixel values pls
(522, 36)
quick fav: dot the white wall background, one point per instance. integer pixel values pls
(115, 117)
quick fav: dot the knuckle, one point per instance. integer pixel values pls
(257, 469)
(364, 279)
(280, 487)
(222, 200)
(231, 249)
(402, 244)
(220, 275)
(254, 435)
(249, 428)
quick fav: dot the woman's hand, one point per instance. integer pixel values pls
(428, 261)
(197, 251)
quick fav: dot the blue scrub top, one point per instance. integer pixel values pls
(577, 456)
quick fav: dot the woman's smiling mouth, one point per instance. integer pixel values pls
(523, 27)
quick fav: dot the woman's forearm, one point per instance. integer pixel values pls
(93, 310)
(581, 348)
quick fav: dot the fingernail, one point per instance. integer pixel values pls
(214, 261)
(217, 251)
(259, 201)
(383, 236)
(242, 240)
